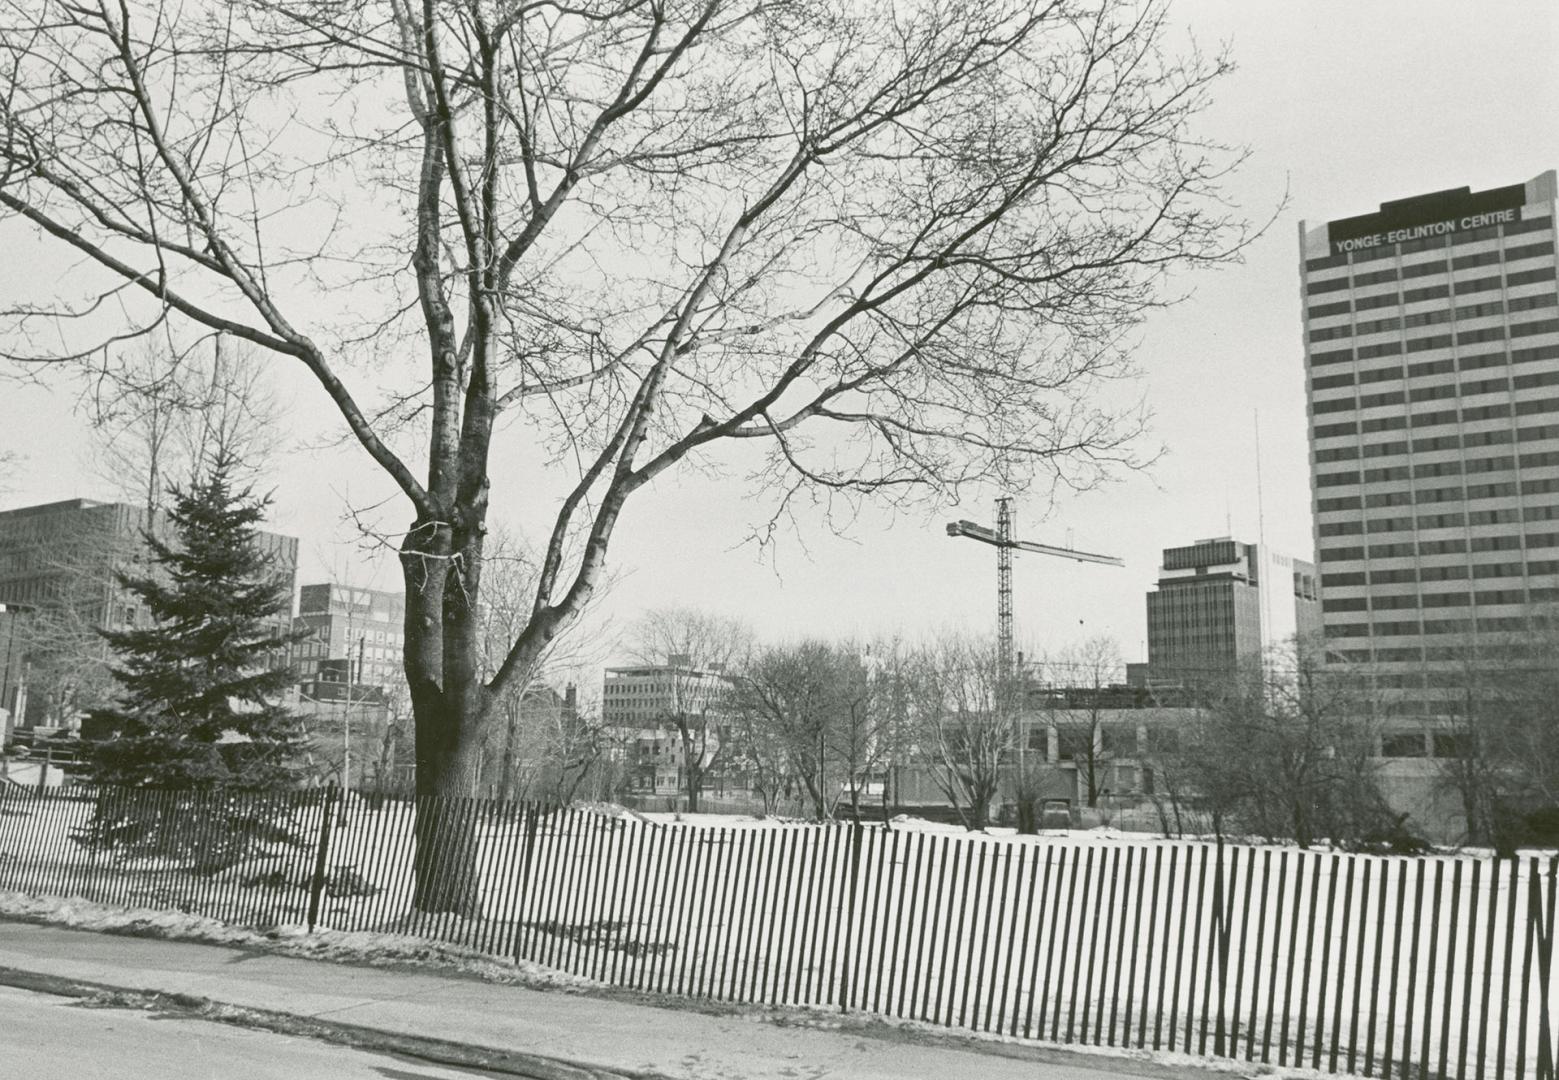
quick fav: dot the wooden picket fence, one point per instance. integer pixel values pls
(1385, 966)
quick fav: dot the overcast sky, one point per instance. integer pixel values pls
(1343, 105)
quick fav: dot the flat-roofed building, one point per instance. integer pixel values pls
(363, 629)
(639, 705)
(1221, 603)
(1432, 364)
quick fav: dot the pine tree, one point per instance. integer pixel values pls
(199, 687)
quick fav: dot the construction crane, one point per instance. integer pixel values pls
(1004, 540)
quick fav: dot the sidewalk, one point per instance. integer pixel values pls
(528, 1032)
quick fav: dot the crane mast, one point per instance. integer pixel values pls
(1005, 543)
(1004, 537)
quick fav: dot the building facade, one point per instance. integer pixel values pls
(638, 706)
(61, 560)
(351, 632)
(1432, 366)
(1220, 603)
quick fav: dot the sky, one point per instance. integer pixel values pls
(1342, 105)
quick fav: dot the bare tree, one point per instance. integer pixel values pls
(696, 652)
(162, 411)
(392, 759)
(1497, 736)
(1287, 749)
(1167, 773)
(532, 743)
(1080, 675)
(899, 246)
(134, 417)
(234, 411)
(793, 696)
(761, 748)
(873, 695)
(822, 719)
(964, 731)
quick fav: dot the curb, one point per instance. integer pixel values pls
(355, 1036)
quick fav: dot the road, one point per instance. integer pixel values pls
(43, 1036)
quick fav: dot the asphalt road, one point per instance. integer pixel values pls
(44, 1037)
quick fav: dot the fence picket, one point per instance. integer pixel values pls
(1342, 959)
(1545, 1053)
(1529, 927)
(1429, 983)
(1136, 936)
(1120, 946)
(1472, 954)
(1065, 960)
(1511, 891)
(911, 947)
(1196, 947)
(1093, 942)
(1008, 987)
(1033, 980)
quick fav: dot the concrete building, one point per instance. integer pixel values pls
(1432, 362)
(1220, 603)
(1104, 738)
(637, 706)
(61, 560)
(360, 628)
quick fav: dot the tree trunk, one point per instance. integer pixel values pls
(451, 707)
(511, 738)
(979, 812)
(448, 877)
(693, 764)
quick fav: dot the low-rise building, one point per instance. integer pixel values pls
(640, 706)
(348, 627)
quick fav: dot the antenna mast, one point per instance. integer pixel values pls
(1004, 538)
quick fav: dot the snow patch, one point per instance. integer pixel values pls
(337, 946)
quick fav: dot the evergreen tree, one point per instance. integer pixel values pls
(199, 687)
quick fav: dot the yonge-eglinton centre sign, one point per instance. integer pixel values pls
(1427, 216)
(1433, 228)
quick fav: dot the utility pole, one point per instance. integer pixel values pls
(346, 736)
(1005, 541)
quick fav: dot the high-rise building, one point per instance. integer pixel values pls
(62, 560)
(1432, 362)
(1220, 603)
